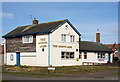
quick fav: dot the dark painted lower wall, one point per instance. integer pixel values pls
(15, 44)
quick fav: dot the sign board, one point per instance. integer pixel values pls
(51, 68)
(62, 46)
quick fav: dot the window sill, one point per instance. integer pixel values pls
(68, 59)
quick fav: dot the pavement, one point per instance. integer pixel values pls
(107, 75)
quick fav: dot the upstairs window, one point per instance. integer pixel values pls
(67, 38)
(27, 39)
(72, 38)
(63, 38)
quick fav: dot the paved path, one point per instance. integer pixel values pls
(108, 75)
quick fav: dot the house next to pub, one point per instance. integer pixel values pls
(56, 43)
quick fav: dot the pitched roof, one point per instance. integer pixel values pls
(93, 47)
(112, 46)
(47, 27)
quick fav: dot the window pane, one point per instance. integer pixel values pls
(64, 38)
(67, 38)
(67, 55)
(85, 53)
(62, 54)
(71, 54)
(103, 56)
(27, 39)
(73, 38)
(98, 55)
(30, 39)
(85, 56)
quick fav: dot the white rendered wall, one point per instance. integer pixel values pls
(42, 56)
(93, 57)
(28, 58)
(9, 61)
(55, 52)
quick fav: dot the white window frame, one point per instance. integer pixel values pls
(72, 38)
(69, 55)
(68, 38)
(63, 37)
(30, 37)
(101, 55)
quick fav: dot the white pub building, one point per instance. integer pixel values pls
(54, 43)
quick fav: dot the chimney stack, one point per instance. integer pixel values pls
(98, 36)
(35, 21)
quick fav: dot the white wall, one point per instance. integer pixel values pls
(55, 52)
(42, 56)
(93, 57)
(9, 62)
(28, 58)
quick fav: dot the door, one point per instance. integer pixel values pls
(108, 57)
(17, 58)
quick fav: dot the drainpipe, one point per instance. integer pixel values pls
(48, 49)
(5, 55)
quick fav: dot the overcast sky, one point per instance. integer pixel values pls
(87, 17)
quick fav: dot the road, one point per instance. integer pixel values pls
(108, 75)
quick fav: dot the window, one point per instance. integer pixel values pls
(80, 55)
(67, 55)
(62, 54)
(71, 54)
(72, 38)
(67, 38)
(101, 55)
(27, 39)
(85, 55)
(63, 38)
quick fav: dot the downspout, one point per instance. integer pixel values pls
(79, 44)
(5, 55)
(48, 49)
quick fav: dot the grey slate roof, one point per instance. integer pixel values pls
(93, 47)
(36, 29)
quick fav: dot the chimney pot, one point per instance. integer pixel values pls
(97, 30)
(98, 36)
(35, 21)
(34, 18)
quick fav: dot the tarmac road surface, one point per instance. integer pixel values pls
(108, 75)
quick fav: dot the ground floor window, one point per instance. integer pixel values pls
(85, 55)
(80, 55)
(101, 55)
(67, 55)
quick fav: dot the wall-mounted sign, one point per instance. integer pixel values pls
(101, 59)
(42, 43)
(42, 39)
(11, 57)
(61, 46)
(42, 46)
